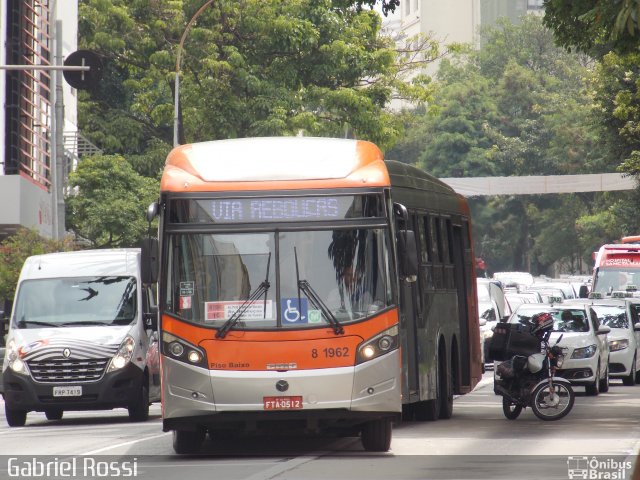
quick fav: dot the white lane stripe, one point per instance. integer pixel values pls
(282, 467)
(124, 444)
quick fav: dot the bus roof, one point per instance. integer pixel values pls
(278, 163)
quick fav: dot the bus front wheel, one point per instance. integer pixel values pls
(187, 441)
(376, 435)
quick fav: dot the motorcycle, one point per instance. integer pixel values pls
(530, 381)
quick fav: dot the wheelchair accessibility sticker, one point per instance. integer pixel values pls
(292, 312)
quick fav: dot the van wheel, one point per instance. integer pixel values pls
(376, 435)
(139, 412)
(54, 414)
(186, 441)
(15, 418)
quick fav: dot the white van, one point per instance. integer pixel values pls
(81, 336)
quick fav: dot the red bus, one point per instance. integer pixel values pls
(307, 284)
(617, 267)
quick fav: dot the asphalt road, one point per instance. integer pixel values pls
(598, 439)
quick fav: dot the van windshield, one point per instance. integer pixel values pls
(77, 301)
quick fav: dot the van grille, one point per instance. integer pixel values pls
(66, 370)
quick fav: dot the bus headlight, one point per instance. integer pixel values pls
(183, 351)
(122, 358)
(13, 360)
(382, 343)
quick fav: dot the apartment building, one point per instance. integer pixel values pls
(27, 120)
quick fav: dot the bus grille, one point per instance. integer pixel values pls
(64, 371)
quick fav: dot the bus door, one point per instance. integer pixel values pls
(460, 251)
(409, 312)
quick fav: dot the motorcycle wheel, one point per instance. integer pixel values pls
(510, 409)
(556, 409)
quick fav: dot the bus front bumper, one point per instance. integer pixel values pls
(194, 397)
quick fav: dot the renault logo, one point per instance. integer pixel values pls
(66, 353)
(282, 386)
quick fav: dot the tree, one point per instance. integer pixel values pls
(595, 26)
(107, 206)
(249, 68)
(15, 249)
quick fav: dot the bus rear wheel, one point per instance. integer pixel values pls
(376, 435)
(187, 441)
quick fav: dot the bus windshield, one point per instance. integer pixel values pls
(81, 301)
(270, 277)
(613, 279)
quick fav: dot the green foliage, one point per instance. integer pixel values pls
(595, 26)
(519, 106)
(248, 68)
(108, 205)
(15, 249)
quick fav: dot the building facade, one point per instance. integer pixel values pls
(28, 153)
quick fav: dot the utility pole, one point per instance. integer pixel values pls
(59, 226)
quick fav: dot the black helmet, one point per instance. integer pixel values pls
(542, 323)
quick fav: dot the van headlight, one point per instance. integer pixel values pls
(615, 345)
(12, 359)
(122, 358)
(584, 352)
(183, 351)
(377, 346)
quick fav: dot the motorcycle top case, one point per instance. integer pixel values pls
(511, 339)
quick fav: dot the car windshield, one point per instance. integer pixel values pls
(282, 275)
(564, 320)
(78, 301)
(613, 316)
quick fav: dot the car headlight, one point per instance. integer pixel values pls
(615, 345)
(179, 349)
(12, 359)
(124, 354)
(584, 352)
(377, 346)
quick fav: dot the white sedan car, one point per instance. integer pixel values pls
(621, 316)
(585, 342)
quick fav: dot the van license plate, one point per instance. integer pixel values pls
(282, 403)
(75, 391)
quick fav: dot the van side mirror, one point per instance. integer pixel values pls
(407, 255)
(149, 266)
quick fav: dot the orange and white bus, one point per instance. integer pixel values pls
(307, 284)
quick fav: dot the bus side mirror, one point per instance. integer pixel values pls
(407, 255)
(149, 265)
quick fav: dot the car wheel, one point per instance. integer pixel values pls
(630, 380)
(594, 388)
(604, 382)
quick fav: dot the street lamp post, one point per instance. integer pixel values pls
(176, 105)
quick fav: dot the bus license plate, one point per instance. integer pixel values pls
(75, 391)
(282, 403)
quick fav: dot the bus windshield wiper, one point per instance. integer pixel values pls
(319, 304)
(262, 289)
(311, 294)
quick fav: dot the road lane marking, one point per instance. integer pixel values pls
(124, 444)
